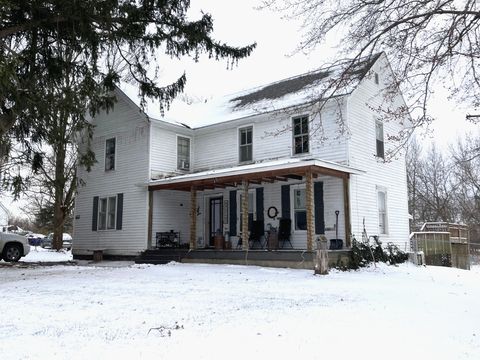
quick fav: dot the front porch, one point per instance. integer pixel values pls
(233, 215)
(294, 259)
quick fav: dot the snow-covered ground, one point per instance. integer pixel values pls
(180, 311)
(38, 254)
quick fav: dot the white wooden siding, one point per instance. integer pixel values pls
(129, 177)
(391, 175)
(163, 149)
(217, 145)
(171, 211)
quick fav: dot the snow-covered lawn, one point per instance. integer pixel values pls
(180, 311)
(38, 254)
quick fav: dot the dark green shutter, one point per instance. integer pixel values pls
(286, 201)
(233, 213)
(95, 213)
(259, 194)
(119, 211)
(319, 208)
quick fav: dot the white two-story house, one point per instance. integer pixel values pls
(269, 153)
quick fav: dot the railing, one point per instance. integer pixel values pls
(458, 233)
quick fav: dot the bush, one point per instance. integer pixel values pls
(365, 253)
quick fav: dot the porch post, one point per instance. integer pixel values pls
(309, 203)
(193, 218)
(346, 210)
(245, 215)
(150, 219)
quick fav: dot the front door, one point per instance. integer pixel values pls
(216, 218)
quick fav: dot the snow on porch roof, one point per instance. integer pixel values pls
(271, 170)
(301, 89)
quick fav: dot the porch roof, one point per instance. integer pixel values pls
(264, 172)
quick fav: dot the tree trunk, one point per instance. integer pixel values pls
(321, 258)
(59, 207)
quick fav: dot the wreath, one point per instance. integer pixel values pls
(272, 212)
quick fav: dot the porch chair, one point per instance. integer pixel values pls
(284, 232)
(257, 233)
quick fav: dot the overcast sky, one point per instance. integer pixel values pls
(238, 23)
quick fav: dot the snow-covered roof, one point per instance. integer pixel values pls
(302, 89)
(267, 167)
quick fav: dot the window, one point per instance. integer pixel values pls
(107, 213)
(382, 212)
(377, 81)
(379, 139)
(300, 135)
(245, 144)
(110, 154)
(251, 207)
(183, 153)
(300, 209)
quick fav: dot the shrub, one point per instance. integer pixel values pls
(364, 253)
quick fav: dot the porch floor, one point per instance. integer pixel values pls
(291, 258)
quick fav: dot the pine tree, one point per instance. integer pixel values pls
(60, 60)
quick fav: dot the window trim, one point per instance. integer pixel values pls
(239, 129)
(377, 155)
(381, 189)
(114, 155)
(302, 134)
(189, 153)
(293, 187)
(107, 198)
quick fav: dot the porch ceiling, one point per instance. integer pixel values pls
(266, 172)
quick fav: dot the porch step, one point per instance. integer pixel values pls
(281, 258)
(163, 256)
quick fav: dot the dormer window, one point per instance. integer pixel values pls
(183, 153)
(110, 146)
(300, 135)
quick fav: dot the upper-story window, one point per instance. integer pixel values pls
(379, 139)
(183, 153)
(107, 213)
(245, 144)
(110, 148)
(377, 79)
(300, 135)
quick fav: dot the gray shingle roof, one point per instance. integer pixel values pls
(331, 77)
